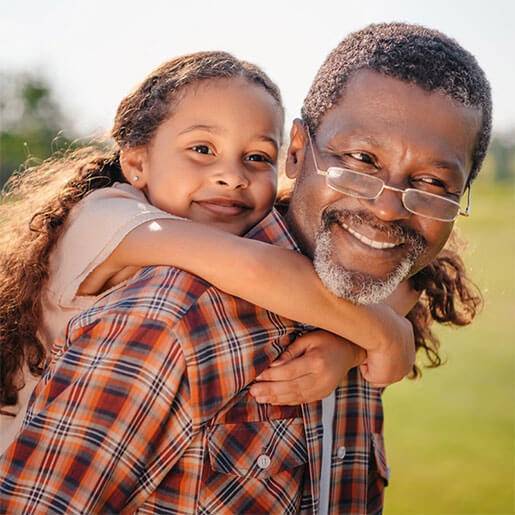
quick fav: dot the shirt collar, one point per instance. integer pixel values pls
(273, 229)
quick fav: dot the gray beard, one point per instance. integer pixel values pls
(360, 287)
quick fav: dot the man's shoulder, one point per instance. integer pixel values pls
(160, 293)
(273, 229)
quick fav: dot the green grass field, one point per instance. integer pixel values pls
(450, 436)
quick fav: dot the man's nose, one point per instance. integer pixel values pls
(231, 176)
(388, 206)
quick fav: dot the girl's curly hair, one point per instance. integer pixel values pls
(36, 202)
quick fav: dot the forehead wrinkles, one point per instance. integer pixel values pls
(403, 134)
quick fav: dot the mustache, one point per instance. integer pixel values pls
(394, 230)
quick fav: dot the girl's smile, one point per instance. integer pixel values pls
(223, 206)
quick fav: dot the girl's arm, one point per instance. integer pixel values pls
(277, 279)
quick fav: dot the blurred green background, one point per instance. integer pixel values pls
(450, 436)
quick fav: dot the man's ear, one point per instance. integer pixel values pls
(133, 162)
(297, 149)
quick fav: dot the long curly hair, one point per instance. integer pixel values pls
(36, 202)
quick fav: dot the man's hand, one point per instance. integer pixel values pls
(308, 370)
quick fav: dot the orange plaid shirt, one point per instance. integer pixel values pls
(146, 409)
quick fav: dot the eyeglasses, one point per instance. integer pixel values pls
(368, 187)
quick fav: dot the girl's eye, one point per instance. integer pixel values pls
(259, 158)
(202, 149)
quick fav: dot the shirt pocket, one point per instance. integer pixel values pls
(380, 456)
(257, 449)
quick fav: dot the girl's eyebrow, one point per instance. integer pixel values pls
(269, 139)
(218, 130)
(201, 127)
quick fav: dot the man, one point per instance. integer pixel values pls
(149, 407)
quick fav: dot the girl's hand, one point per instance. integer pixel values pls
(308, 370)
(393, 360)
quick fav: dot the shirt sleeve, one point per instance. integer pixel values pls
(111, 414)
(96, 226)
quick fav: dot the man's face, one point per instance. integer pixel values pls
(408, 137)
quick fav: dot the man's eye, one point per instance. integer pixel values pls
(202, 149)
(362, 157)
(431, 181)
(433, 185)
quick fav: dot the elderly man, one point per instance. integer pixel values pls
(394, 129)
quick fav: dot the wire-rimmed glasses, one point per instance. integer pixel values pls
(369, 187)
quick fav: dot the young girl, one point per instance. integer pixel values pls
(194, 168)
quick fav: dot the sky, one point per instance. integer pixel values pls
(94, 52)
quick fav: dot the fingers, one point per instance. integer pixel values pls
(288, 371)
(288, 393)
(317, 363)
(294, 350)
(280, 392)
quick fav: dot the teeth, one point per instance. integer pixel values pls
(369, 242)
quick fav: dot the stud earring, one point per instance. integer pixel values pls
(135, 178)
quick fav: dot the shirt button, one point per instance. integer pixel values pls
(263, 461)
(341, 452)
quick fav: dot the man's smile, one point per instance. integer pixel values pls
(375, 244)
(368, 254)
(364, 233)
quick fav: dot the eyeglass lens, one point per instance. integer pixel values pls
(364, 186)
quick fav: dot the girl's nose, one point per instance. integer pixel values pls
(231, 177)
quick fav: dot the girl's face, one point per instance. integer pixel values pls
(214, 160)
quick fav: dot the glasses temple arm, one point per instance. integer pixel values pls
(468, 207)
(310, 143)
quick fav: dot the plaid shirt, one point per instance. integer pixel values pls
(146, 408)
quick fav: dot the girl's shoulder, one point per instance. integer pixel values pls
(108, 210)
(123, 195)
(95, 226)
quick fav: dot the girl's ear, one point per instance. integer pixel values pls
(133, 164)
(296, 150)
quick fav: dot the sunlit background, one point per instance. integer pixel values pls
(65, 65)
